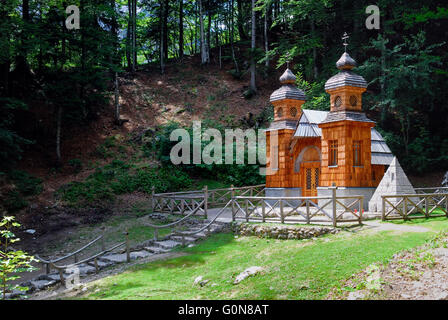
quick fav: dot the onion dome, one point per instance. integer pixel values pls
(288, 90)
(345, 77)
(345, 62)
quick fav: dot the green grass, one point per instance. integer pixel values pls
(293, 269)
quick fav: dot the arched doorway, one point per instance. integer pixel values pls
(308, 163)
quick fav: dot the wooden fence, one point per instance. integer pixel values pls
(199, 200)
(299, 209)
(414, 206)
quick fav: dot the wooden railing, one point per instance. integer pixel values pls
(431, 190)
(51, 264)
(199, 200)
(299, 209)
(414, 206)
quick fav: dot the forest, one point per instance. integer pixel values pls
(53, 78)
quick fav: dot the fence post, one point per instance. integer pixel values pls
(205, 200)
(282, 217)
(405, 208)
(47, 268)
(426, 207)
(383, 209)
(308, 219)
(128, 253)
(446, 205)
(333, 197)
(156, 234)
(232, 195)
(361, 208)
(61, 276)
(153, 191)
(95, 261)
(263, 210)
(247, 210)
(103, 244)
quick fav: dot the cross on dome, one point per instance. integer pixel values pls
(345, 37)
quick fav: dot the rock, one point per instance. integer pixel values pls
(197, 280)
(42, 284)
(246, 273)
(406, 296)
(356, 295)
(441, 296)
(203, 283)
(30, 231)
(115, 258)
(140, 254)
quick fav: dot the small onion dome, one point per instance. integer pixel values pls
(288, 77)
(345, 62)
(345, 77)
(288, 90)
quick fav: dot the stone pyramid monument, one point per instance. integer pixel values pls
(394, 181)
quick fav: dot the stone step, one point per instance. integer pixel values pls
(179, 239)
(167, 244)
(156, 250)
(101, 263)
(140, 254)
(200, 235)
(114, 258)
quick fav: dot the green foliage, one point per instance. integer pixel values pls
(11, 261)
(119, 177)
(25, 185)
(76, 164)
(10, 142)
(237, 174)
(407, 99)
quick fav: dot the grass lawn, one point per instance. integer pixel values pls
(293, 269)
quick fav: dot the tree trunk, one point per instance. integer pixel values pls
(203, 44)
(58, 136)
(134, 35)
(181, 29)
(253, 86)
(209, 18)
(231, 38)
(117, 101)
(128, 36)
(162, 37)
(266, 40)
(165, 27)
(313, 34)
(242, 33)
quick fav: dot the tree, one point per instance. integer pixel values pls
(11, 261)
(253, 86)
(181, 29)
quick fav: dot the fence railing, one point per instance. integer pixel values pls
(414, 206)
(431, 190)
(332, 208)
(200, 200)
(51, 264)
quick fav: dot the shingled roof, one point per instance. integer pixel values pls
(307, 127)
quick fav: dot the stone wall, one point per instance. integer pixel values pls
(281, 232)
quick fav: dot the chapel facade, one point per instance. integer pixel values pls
(319, 149)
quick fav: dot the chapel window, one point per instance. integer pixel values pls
(333, 144)
(357, 153)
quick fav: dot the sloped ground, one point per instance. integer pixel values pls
(416, 274)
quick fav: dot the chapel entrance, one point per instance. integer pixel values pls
(311, 177)
(310, 172)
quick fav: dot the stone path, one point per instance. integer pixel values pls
(376, 226)
(144, 250)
